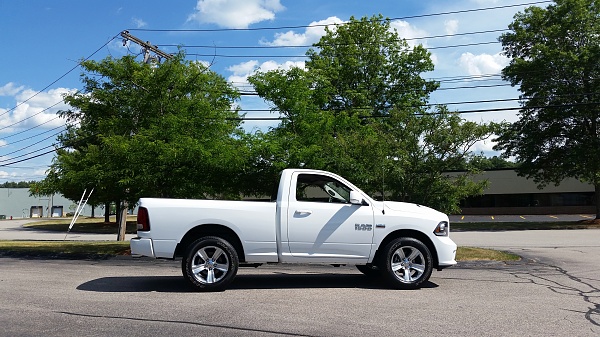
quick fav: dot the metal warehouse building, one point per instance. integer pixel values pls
(507, 193)
(16, 203)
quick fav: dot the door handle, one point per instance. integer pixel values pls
(303, 212)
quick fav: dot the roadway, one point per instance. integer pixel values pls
(553, 291)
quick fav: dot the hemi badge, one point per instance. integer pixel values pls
(380, 225)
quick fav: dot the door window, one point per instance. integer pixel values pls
(320, 188)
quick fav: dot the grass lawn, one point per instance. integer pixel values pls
(73, 249)
(85, 225)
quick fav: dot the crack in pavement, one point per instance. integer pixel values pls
(228, 327)
(591, 295)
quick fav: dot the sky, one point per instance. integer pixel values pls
(43, 41)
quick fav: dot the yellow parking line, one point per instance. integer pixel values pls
(522, 217)
(552, 216)
(463, 217)
(492, 217)
(585, 216)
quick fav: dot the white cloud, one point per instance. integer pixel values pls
(235, 13)
(3, 143)
(33, 108)
(9, 89)
(486, 147)
(410, 33)
(139, 23)
(483, 63)
(241, 71)
(312, 34)
(451, 27)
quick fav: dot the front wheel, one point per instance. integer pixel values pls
(406, 263)
(210, 264)
(369, 271)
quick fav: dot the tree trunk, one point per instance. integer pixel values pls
(107, 212)
(122, 220)
(118, 207)
(93, 213)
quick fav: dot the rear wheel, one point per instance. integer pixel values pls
(406, 263)
(210, 264)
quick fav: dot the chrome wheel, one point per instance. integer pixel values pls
(210, 264)
(408, 264)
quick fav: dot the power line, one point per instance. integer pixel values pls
(30, 158)
(31, 137)
(31, 116)
(34, 127)
(212, 30)
(60, 78)
(26, 154)
(337, 44)
(33, 144)
(423, 114)
(307, 56)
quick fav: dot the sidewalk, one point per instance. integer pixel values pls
(14, 230)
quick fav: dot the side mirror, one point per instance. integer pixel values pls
(356, 198)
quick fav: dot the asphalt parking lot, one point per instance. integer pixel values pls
(554, 291)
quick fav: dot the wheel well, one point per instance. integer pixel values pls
(408, 233)
(211, 230)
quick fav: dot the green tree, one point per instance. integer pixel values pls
(554, 54)
(14, 184)
(138, 130)
(360, 109)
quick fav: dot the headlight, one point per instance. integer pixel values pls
(442, 229)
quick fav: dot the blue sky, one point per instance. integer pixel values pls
(43, 41)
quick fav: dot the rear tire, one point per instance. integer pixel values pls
(210, 264)
(406, 263)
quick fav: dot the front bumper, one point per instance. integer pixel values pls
(141, 247)
(446, 249)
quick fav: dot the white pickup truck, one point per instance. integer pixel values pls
(317, 217)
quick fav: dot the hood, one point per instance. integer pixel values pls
(406, 207)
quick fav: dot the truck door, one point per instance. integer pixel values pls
(324, 225)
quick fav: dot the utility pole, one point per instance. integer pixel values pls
(147, 47)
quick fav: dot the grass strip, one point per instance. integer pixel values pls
(68, 249)
(482, 254)
(85, 249)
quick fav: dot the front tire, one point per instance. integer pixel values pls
(210, 264)
(406, 263)
(369, 271)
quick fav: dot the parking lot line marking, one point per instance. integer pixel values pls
(585, 216)
(492, 217)
(552, 216)
(522, 217)
(463, 217)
